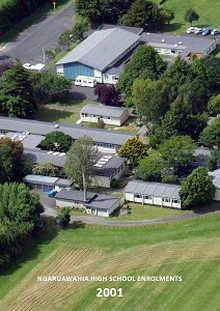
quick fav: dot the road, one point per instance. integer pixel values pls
(28, 47)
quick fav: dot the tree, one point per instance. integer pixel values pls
(10, 159)
(65, 38)
(16, 93)
(49, 87)
(210, 136)
(167, 15)
(107, 95)
(214, 105)
(18, 204)
(197, 188)
(177, 152)
(45, 169)
(56, 141)
(207, 70)
(190, 16)
(151, 99)
(80, 160)
(213, 160)
(134, 150)
(64, 216)
(143, 13)
(150, 168)
(145, 63)
(80, 26)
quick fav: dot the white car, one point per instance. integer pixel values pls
(198, 30)
(215, 32)
(27, 65)
(190, 30)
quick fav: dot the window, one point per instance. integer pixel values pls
(147, 197)
(166, 200)
(109, 118)
(176, 201)
(137, 196)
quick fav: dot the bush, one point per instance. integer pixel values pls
(171, 179)
(64, 216)
(115, 183)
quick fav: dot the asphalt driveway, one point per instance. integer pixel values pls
(44, 34)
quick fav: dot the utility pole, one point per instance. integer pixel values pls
(54, 5)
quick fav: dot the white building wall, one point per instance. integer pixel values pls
(157, 201)
(106, 120)
(129, 197)
(60, 70)
(217, 195)
(98, 75)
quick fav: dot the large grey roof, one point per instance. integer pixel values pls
(75, 131)
(28, 141)
(94, 200)
(190, 44)
(101, 48)
(101, 110)
(153, 188)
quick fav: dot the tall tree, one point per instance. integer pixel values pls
(45, 169)
(190, 16)
(197, 188)
(143, 13)
(144, 61)
(16, 93)
(107, 95)
(80, 160)
(210, 136)
(134, 150)
(177, 151)
(214, 105)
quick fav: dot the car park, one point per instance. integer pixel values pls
(206, 32)
(215, 32)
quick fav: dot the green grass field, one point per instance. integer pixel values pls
(140, 212)
(190, 249)
(208, 10)
(52, 115)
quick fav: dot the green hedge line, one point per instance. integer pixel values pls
(15, 10)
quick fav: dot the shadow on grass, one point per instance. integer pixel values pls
(31, 249)
(75, 225)
(172, 27)
(207, 208)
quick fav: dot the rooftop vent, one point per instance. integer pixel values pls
(27, 133)
(163, 40)
(56, 126)
(176, 45)
(180, 42)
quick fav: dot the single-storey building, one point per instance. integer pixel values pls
(215, 176)
(106, 141)
(107, 168)
(153, 193)
(98, 53)
(95, 204)
(179, 45)
(47, 182)
(108, 114)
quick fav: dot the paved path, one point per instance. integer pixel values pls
(43, 34)
(94, 220)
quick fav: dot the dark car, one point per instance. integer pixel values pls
(206, 32)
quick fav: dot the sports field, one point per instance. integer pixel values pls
(190, 249)
(208, 10)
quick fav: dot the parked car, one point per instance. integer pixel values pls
(198, 30)
(215, 32)
(206, 32)
(190, 30)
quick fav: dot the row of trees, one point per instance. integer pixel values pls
(21, 91)
(137, 13)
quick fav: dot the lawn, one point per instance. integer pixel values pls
(190, 249)
(53, 115)
(75, 103)
(208, 10)
(140, 212)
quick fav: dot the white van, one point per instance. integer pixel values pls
(85, 81)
